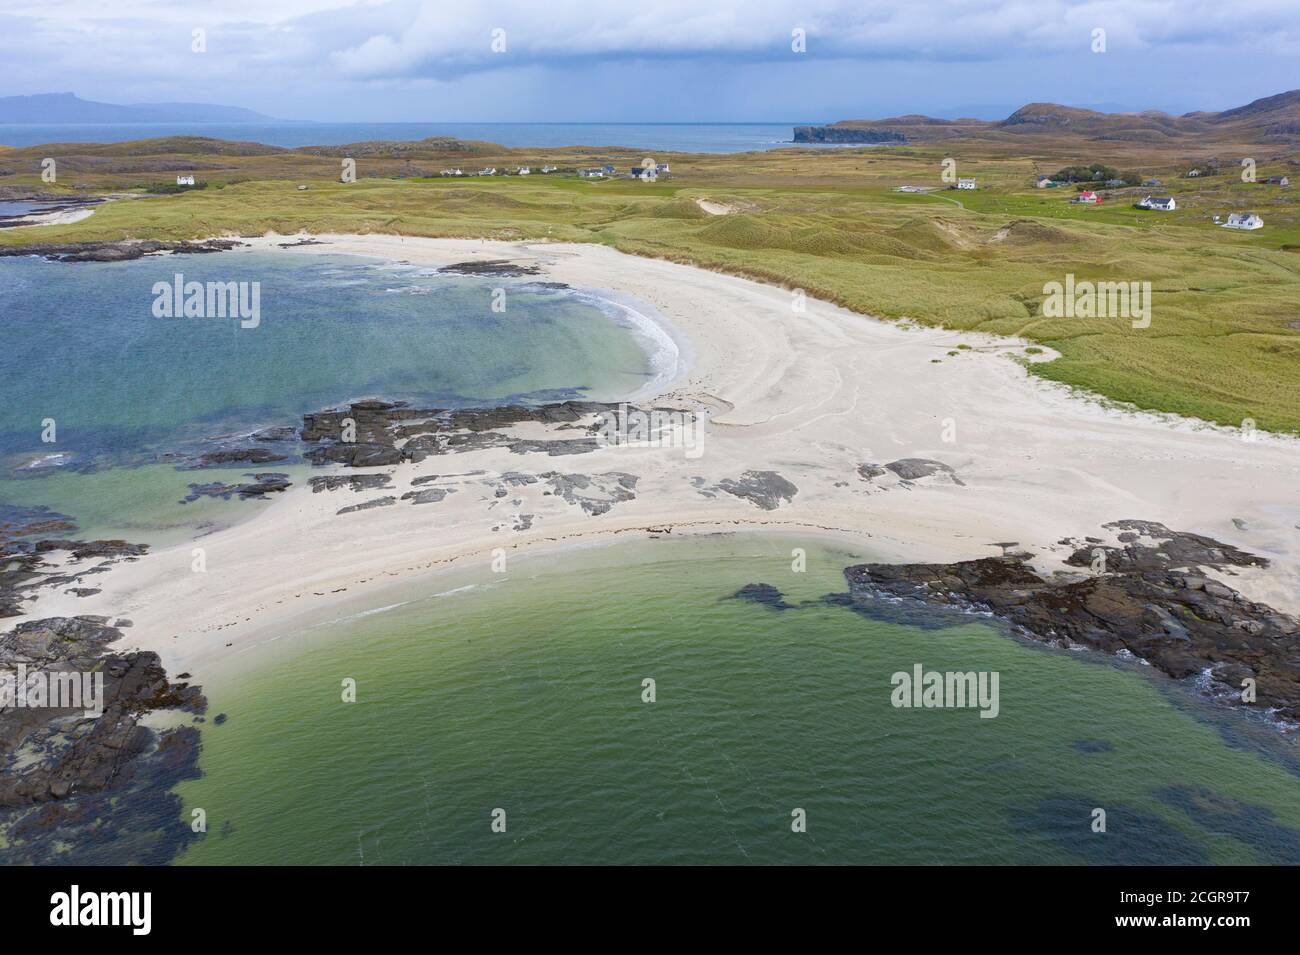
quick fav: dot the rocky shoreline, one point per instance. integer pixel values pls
(101, 784)
(1148, 598)
(120, 251)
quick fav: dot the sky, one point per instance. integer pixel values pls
(652, 60)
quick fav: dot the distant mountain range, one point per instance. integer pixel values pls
(1273, 119)
(60, 108)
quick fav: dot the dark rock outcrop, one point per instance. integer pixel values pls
(847, 134)
(122, 251)
(1151, 601)
(100, 781)
(764, 489)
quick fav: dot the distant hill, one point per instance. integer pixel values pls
(60, 108)
(1273, 119)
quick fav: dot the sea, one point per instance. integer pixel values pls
(663, 137)
(620, 705)
(104, 398)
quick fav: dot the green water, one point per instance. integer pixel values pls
(525, 693)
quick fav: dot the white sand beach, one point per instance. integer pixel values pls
(810, 395)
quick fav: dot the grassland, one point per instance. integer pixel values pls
(1223, 343)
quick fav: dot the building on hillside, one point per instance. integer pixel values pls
(549, 168)
(1043, 182)
(1115, 183)
(452, 172)
(524, 171)
(489, 171)
(965, 183)
(1278, 181)
(1193, 173)
(1152, 183)
(607, 169)
(1159, 203)
(590, 173)
(645, 173)
(1244, 220)
(1087, 198)
(661, 168)
(184, 180)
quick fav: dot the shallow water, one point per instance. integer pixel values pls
(122, 386)
(523, 692)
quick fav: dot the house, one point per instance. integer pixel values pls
(1115, 183)
(523, 170)
(1244, 220)
(662, 167)
(1043, 182)
(607, 170)
(909, 189)
(490, 171)
(1193, 173)
(1152, 183)
(184, 180)
(590, 173)
(1278, 181)
(549, 168)
(645, 173)
(1088, 198)
(452, 172)
(1159, 203)
(965, 183)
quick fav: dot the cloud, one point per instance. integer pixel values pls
(600, 57)
(442, 39)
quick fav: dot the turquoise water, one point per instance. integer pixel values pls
(84, 349)
(523, 692)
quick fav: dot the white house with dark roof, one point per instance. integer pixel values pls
(1159, 203)
(966, 184)
(184, 180)
(1244, 220)
(645, 173)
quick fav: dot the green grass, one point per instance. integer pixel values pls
(1222, 345)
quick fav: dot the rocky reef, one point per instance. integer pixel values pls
(99, 783)
(122, 251)
(1149, 597)
(385, 432)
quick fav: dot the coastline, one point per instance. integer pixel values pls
(810, 395)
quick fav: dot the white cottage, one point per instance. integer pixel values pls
(184, 180)
(965, 183)
(1244, 220)
(1159, 203)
